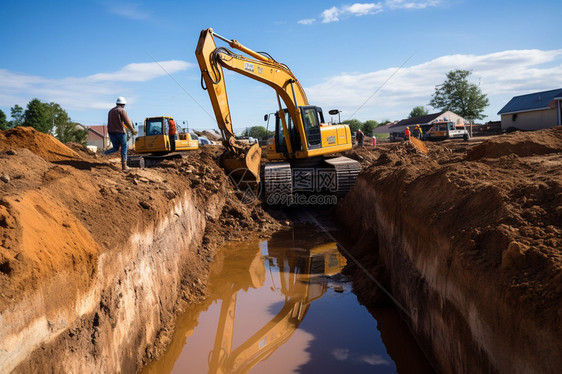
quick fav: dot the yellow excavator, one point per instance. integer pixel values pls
(303, 146)
(155, 145)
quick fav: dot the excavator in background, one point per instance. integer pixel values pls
(301, 152)
(154, 146)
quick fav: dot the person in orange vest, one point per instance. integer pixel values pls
(172, 134)
(418, 132)
(407, 134)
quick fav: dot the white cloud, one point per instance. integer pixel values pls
(84, 92)
(340, 354)
(129, 10)
(374, 360)
(358, 9)
(308, 21)
(330, 15)
(335, 14)
(501, 75)
(140, 72)
(405, 4)
(363, 9)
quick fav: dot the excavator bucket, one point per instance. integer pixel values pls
(244, 169)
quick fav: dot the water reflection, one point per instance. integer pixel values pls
(297, 273)
(260, 294)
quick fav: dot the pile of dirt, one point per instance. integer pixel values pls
(76, 205)
(211, 135)
(498, 205)
(522, 144)
(41, 144)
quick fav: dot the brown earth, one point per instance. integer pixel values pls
(77, 204)
(484, 216)
(61, 207)
(479, 223)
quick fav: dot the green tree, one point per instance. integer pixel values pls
(71, 132)
(16, 113)
(418, 111)
(369, 126)
(258, 132)
(38, 116)
(64, 129)
(3, 122)
(458, 95)
(354, 124)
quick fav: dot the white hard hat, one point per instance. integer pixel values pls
(121, 100)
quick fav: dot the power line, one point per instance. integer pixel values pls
(381, 86)
(178, 83)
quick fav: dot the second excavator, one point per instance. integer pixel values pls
(303, 153)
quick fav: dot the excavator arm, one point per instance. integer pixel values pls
(259, 67)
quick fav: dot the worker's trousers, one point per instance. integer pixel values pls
(118, 140)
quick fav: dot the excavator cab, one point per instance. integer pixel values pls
(156, 139)
(312, 117)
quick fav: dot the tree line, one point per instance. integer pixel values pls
(260, 132)
(49, 118)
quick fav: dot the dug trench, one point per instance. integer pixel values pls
(95, 264)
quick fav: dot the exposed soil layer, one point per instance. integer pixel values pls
(84, 246)
(468, 239)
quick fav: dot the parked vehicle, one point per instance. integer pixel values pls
(446, 130)
(204, 141)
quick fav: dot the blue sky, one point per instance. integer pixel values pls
(84, 54)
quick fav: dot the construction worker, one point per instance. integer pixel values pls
(360, 137)
(407, 133)
(418, 132)
(172, 134)
(117, 121)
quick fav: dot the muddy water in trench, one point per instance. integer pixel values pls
(282, 306)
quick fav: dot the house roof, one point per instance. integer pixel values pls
(533, 101)
(100, 131)
(418, 120)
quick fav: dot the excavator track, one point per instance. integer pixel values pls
(277, 183)
(346, 171)
(326, 176)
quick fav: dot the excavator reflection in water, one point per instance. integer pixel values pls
(302, 280)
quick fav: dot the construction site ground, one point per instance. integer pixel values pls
(496, 204)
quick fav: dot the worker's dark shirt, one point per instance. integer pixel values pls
(115, 119)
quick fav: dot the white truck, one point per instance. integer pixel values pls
(446, 130)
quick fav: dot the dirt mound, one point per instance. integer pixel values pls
(41, 144)
(61, 207)
(209, 135)
(522, 144)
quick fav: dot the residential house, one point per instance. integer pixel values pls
(98, 137)
(535, 111)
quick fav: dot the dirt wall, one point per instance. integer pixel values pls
(95, 262)
(470, 246)
(128, 309)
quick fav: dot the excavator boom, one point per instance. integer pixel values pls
(242, 163)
